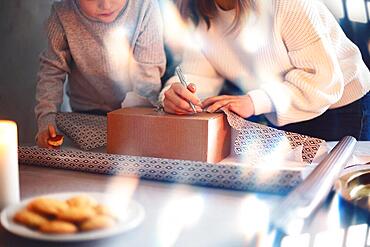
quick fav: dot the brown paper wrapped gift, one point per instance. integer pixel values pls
(146, 132)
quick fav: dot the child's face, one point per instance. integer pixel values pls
(102, 10)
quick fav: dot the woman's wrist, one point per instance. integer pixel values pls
(261, 102)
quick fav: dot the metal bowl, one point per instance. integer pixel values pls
(354, 187)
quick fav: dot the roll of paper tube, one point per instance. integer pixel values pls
(226, 176)
(305, 198)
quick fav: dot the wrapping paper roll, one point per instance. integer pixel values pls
(311, 193)
(236, 177)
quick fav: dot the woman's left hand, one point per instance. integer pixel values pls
(241, 105)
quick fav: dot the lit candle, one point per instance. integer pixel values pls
(9, 175)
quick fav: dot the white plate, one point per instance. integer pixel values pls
(130, 217)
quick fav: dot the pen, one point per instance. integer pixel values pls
(183, 82)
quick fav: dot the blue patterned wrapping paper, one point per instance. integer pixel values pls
(225, 176)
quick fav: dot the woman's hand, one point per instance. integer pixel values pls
(177, 97)
(241, 105)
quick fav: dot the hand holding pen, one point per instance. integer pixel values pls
(180, 97)
(185, 84)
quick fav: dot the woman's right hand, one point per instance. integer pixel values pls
(177, 97)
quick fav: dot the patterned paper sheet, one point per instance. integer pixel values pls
(86, 130)
(257, 142)
(260, 143)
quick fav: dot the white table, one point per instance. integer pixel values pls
(180, 215)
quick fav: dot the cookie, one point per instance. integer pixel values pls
(98, 222)
(103, 210)
(81, 201)
(76, 214)
(58, 227)
(47, 206)
(29, 218)
(56, 141)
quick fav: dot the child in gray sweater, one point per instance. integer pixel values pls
(105, 49)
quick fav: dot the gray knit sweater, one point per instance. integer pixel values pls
(103, 61)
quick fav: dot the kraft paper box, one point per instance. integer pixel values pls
(147, 132)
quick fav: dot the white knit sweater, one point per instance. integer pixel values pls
(293, 59)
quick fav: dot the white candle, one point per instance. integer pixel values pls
(9, 174)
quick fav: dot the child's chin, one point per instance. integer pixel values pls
(107, 19)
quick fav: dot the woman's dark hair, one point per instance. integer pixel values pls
(206, 10)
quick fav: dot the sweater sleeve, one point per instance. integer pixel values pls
(315, 82)
(199, 71)
(52, 73)
(149, 56)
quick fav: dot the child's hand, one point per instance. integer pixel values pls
(48, 138)
(177, 97)
(241, 105)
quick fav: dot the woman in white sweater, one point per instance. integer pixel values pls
(290, 58)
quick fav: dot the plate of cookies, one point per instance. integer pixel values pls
(72, 216)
